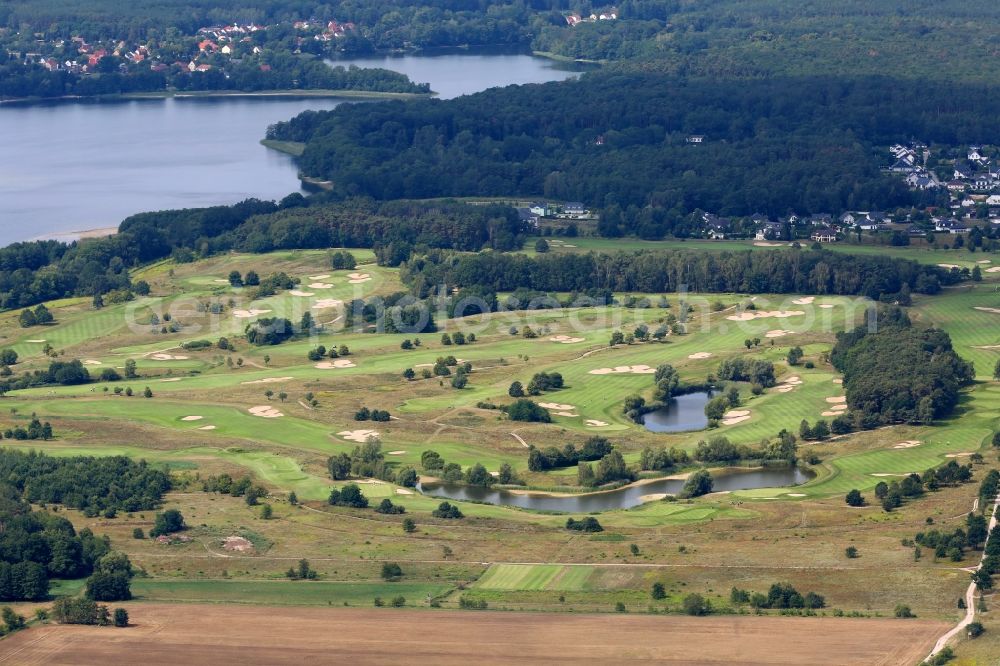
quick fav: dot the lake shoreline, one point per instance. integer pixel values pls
(77, 235)
(208, 94)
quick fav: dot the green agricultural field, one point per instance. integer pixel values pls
(286, 593)
(534, 577)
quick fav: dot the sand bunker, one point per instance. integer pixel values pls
(317, 278)
(805, 300)
(984, 261)
(796, 494)
(297, 292)
(192, 418)
(320, 285)
(169, 357)
(569, 414)
(995, 269)
(565, 339)
(403, 491)
(993, 310)
(246, 314)
(625, 370)
(594, 423)
(208, 427)
(881, 474)
(36, 340)
(335, 365)
(395, 453)
(949, 265)
(357, 435)
(699, 355)
(837, 400)
(958, 455)
(826, 306)
(171, 379)
(265, 411)
(557, 406)
(750, 315)
(237, 544)
(357, 278)
(734, 416)
(777, 333)
(908, 444)
(789, 384)
(269, 380)
(324, 303)
(91, 361)
(766, 244)
(838, 380)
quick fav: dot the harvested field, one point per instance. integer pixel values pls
(222, 635)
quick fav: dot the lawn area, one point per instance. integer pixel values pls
(534, 577)
(284, 593)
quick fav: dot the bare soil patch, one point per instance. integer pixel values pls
(224, 635)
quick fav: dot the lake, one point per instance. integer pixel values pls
(681, 414)
(72, 166)
(625, 497)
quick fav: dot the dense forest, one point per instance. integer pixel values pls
(895, 372)
(804, 145)
(804, 271)
(274, 72)
(37, 271)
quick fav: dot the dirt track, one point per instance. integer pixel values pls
(222, 635)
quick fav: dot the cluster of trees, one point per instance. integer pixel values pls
(242, 487)
(891, 495)
(609, 469)
(780, 596)
(35, 430)
(755, 371)
(617, 141)
(720, 450)
(664, 271)
(349, 495)
(39, 316)
(586, 524)
(662, 459)
(540, 460)
(895, 372)
(523, 409)
(92, 485)
(698, 484)
(365, 414)
(368, 461)
(77, 610)
(475, 475)
(447, 511)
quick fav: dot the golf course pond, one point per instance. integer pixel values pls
(625, 497)
(681, 414)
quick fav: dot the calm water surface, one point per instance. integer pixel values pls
(683, 413)
(621, 498)
(75, 166)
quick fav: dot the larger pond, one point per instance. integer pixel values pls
(76, 166)
(680, 414)
(625, 497)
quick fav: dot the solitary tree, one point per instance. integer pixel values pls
(658, 592)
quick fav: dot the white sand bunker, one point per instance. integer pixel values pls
(766, 244)
(335, 365)
(699, 355)
(269, 380)
(172, 379)
(320, 285)
(838, 380)
(357, 278)
(796, 494)
(245, 314)
(882, 474)
(298, 292)
(734, 416)
(995, 269)
(169, 357)
(324, 303)
(762, 314)
(984, 261)
(569, 414)
(625, 370)
(221, 281)
(827, 306)
(993, 310)
(395, 453)
(958, 455)
(208, 427)
(357, 435)
(565, 339)
(36, 340)
(805, 300)
(949, 265)
(839, 406)
(789, 384)
(908, 444)
(265, 411)
(594, 423)
(837, 400)
(192, 418)
(557, 406)
(403, 491)
(777, 333)
(317, 278)
(91, 361)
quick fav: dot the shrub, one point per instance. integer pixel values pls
(448, 511)
(588, 524)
